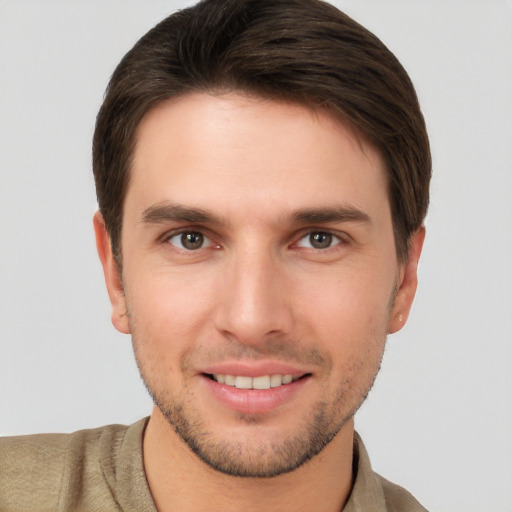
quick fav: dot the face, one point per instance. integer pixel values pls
(260, 277)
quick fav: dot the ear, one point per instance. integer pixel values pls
(112, 277)
(407, 283)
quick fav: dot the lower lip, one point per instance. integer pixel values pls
(254, 401)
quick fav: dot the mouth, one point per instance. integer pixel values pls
(247, 389)
(261, 382)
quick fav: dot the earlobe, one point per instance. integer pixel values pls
(407, 284)
(112, 277)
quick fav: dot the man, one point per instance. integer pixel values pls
(262, 174)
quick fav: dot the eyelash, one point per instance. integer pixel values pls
(189, 231)
(342, 240)
(335, 239)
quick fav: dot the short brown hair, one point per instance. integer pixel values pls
(304, 51)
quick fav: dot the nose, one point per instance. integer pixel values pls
(255, 303)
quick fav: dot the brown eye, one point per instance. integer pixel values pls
(189, 240)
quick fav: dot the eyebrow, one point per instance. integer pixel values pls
(163, 212)
(329, 214)
(160, 213)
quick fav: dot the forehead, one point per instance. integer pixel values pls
(205, 149)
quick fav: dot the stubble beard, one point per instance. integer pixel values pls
(236, 458)
(249, 459)
(243, 459)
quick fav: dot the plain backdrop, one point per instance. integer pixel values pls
(439, 420)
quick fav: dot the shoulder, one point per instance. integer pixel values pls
(397, 498)
(371, 492)
(46, 471)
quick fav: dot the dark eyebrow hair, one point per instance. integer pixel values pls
(163, 212)
(329, 214)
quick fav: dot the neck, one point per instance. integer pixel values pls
(179, 480)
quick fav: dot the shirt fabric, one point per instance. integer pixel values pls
(102, 469)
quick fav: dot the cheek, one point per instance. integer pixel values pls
(348, 315)
(167, 311)
(348, 302)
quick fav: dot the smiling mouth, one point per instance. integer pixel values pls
(261, 382)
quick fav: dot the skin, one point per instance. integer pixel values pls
(255, 293)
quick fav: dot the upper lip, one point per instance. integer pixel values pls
(253, 368)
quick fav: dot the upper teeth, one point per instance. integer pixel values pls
(263, 382)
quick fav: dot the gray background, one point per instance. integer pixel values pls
(439, 420)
